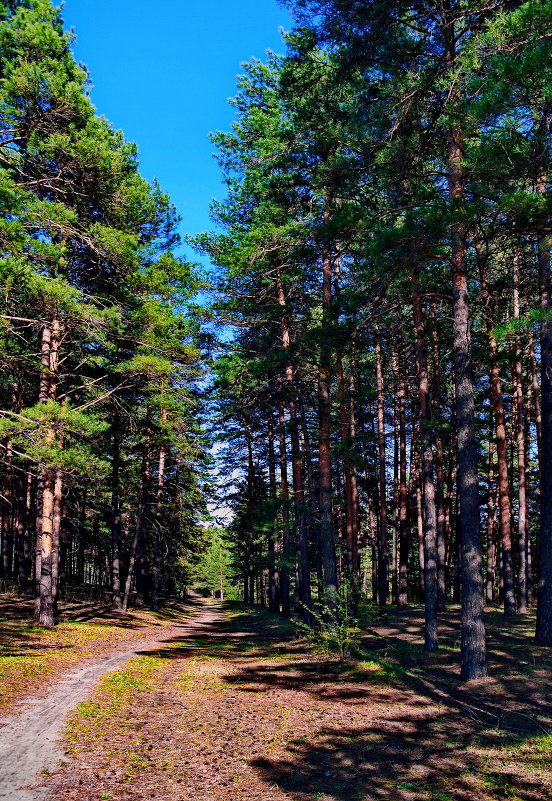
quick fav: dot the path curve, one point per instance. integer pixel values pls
(29, 740)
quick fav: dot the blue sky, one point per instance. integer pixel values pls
(163, 73)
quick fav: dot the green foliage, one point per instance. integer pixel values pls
(335, 631)
(212, 572)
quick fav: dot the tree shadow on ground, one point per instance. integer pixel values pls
(20, 636)
(413, 732)
(408, 761)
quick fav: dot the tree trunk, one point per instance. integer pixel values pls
(272, 531)
(544, 589)
(491, 542)
(7, 514)
(81, 539)
(56, 534)
(439, 476)
(284, 494)
(404, 543)
(536, 394)
(116, 601)
(396, 459)
(313, 498)
(518, 409)
(141, 514)
(504, 502)
(420, 522)
(346, 461)
(429, 520)
(329, 560)
(23, 530)
(528, 408)
(249, 574)
(303, 589)
(48, 550)
(355, 522)
(156, 562)
(473, 646)
(383, 557)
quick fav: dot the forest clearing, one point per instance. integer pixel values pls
(276, 445)
(225, 702)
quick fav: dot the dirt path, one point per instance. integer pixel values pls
(29, 740)
(236, 708)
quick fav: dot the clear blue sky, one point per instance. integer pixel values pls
(163, 72)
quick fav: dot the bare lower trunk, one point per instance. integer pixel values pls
(46, 597)
(544, 590)
(518, 407)
(383, 557)
(501, 449)
(346, 460)
(403, 494)
(249, 573)
(491, 542)
(396, 459)
(272, 531)
(420, 523)
(430, 520)
(49, 539)
(156, 563)
(116, 601)
(140, 531)
(473, 646)
(7, 506)
(329, 561)
(439, 475)
(284, 494)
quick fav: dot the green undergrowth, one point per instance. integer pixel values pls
(106, 717)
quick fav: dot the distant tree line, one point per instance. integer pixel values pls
(385, 264)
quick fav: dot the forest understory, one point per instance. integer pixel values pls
(224, 701)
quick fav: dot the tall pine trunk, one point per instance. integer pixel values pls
(272, 531)
(519, 414)
(473, 645)
(329, 561)
(544, 590)
(429, 519)
(504, 502)
(142, 510)
(383, 556)
(116, 601)
(284, 494)
(158, 526)
(48, 551)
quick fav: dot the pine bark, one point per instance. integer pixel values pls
(519, 413)
(284, 494)
(48, 551)
(504, 501)
(429, 518)
(272, 531)
(473, 645)
(156, 561)
(116, 601)
(491, 542)
(383, 556)
(7, 506)
(544, 589)
(329, 561)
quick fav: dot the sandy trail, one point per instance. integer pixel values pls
(29, 740)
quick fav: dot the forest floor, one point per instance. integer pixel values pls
(229, 703)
